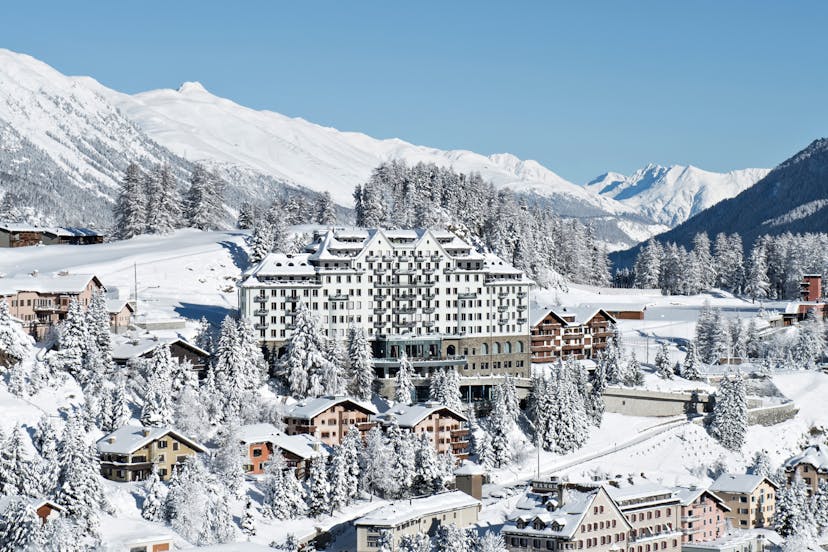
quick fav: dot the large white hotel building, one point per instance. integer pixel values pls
(427, 293)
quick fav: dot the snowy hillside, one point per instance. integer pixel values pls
(671, 195)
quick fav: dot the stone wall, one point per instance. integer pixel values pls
(640, 402)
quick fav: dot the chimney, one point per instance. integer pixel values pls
(110, 439)
(146, 432)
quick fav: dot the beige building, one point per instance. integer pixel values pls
(418, 515)
(41, 301)
(751, 499)
(811, 465)
(329, 418)
(447, 429)
(129, 453)
(120, 314)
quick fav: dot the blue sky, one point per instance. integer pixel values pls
(583, 87)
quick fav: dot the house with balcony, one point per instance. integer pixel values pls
(131, 347)
(447, 429)
(263, 441)
(703, 514)
(810, 465)
(130, 452)
(569, 332)
(416, 515)
(751, 499)
(329, 418)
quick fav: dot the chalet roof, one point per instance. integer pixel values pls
(129, 438)
(399, 512)
(35, 503)
(637, 491)
(281, 264)
(410, 415)
(688, 495)
(59, 283)
(19, 227)
(814, 455)
(114, 306)
(738, 483)
(126, 347)
(561, 521)
(581, 313)
(71, 231)
(309, 408)
(302, 445)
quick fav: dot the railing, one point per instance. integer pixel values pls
(379, 310)
(338, 297)
(521, 307)
(380, 297)
(260, 299)
(428, 323)
(522, 320)
(47, 307)
(260, 312)
(429, 271)
(467, 296)
(292, 299)
(502, 308)
(503, 321)
(521, 294)
(428, 310)
(404, 310)
(404, 323)
(404, 271)
(260, 326)
(379, 271)
(503, 294)
(372, 258)
(429, 296)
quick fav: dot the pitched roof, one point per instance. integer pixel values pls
(411, 415)
(114, 306)
(308, 408)
(399, 512)
(638, 491)
(58, 283)
(814, 455)
(71, 231)
(563, 521)
(125, 347)
(738, 483)
(688, 495)
(129, 438)
(6, 501)
(304, 446)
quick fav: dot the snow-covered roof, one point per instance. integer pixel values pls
(730, 541)
(129, 438)
(71, 231)
(581, 314)
(302, 445)
(639, 490)
(561, 521)
(128, 532)
(469, 468)
(115, 306)
(58, 283)
(309, 408)
(35, 503)
(814, 455)
(409, 415)
(688, 495)
(19, 227)
(738, 483)
(402, 511)
(126, 347)
(281, 264)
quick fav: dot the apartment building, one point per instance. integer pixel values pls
(447, 429)
(130, 452)
(569, 332)
(423, 292)
(751, 499)
(416, 515)
(703, 514)
(329, 418)
(41, 301)
(653, 514)
(811, 465)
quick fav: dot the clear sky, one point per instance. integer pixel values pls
(583, 87)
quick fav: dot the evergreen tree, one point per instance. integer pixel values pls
(19, 526)
(158, 409)
(334, 378)
(648, 265)
(451, 538)
(73, 339)
(428, 478)
(164, 204)
(283, 496)
(247, 215)
(761, 464)
(690, 368)
(17, 478)
(360, 363)
(261, 242)
(404, 388)
(633, 375)
(819, 506)
(711, 338)
(730, 416)
(205, 335)
(14, 345)
(155, 493)
(319, 489)
(227, 462)
(501, 425)
(662, 363)
(418, 542)
(305, 358)
(79, 487)
(385, 542)
(204, 202)
(351, 450)
(444, 388)
(793, 515)
(325, 210)
(757, 283)
(248, 523)
(594, 402)
(131, 205)
(492, 541)
(97, 323)
(377, 464)
(339, 480)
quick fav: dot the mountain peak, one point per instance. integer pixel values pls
(192, 87)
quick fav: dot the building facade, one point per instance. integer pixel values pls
(703, 514)
(653, 514)
(417, 515)
(811, 465)
(329, 418)
(577, 333)
(423, 292)
(447, 429)
(130, 452)
(263, 441)
(751, 499)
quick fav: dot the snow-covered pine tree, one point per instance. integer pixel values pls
(254, 373)
(351, 449)
(569, 425)
(204, 201)
(17, 478)
(325, 210)
(158, 409)
(594, 402)
(761, 464)
(360, 365)
(809, 347)
(155, 492)
(14, 345)
(205, 335)
(428, 477)
(247, 215)
(819, 506)
(97, 323)
(793, 515)
(444, 388)
(227, 462)
(248, 522)
(164, 203)
(450, 538)
(612, 360)
(711, 339)
(73, 339)
(319, 489)
(403, 386)
(385, 542)
(662, 363)
(377, 464)
(283, 496)
(261, 242)
(306, 355)
(131, 205)
(632, 374)
(19, 526)
(648, 265)
(500, 427)
(730, 415)
(120, 407)
(418, 542)
(690, 367)
(491, 541)
(339, 480)
(334, 378)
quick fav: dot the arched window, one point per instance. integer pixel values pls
(520, 346)
(496, 348)
(507, 347)
(485, 349)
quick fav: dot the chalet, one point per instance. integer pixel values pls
(45, 509)
(262, 441)
(416, 515)
(575, 332)
(129, 453)
(71, 236)
(120, 314)
(126, 348)
(751, 499)
(703, 514)
(811, 465)
(446, 428)
(328, 418)
(42, 301)
(19, 235)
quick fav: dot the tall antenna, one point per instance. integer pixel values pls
(135, 284)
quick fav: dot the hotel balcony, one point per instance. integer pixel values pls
(404, 324)
(380, 310)
(503, 295)
(292, 299)
(260, 326)
(428, 310)
(404, 310)
(260, 312)
(502, 308)
(260, 299)
(338, 297)
(521, 294)
(467, 296)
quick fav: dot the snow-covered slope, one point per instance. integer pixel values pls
(671, 195)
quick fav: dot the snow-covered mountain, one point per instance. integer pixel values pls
(671, 195)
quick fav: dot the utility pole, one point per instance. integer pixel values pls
(135, 284)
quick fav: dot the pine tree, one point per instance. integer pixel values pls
(648, 265)
(158, 409)
(793, 515)
(360, 364)
(283, 496)
(819, 506)
(404, 387)
(14, 345)
(377, 464)
(501, 424)
(594, 402)
(325, 210)
(248, 523)
(18, 480)
(730, 416)
(568, 426)
(418, 542)
(761, 464)
(450, 538)
(757, 284)
(120, 408)
(73, 339)
(227, 462)
(155, 493)
(319, 490)
(428, 477)
(444, 388)
(247, 215)
(492, 541)
(334, 378)
(164, 204)
(662, 363)
(690, 368)
(306, 354)
(79, 487)
(633, 375)
(351, 449)
(204, 202)
(385, 542)
(131, 206)
(205, 335)
(339, 480)
(261, 242)
(97, 323)
(19, 527)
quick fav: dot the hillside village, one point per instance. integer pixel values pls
(396, 390)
